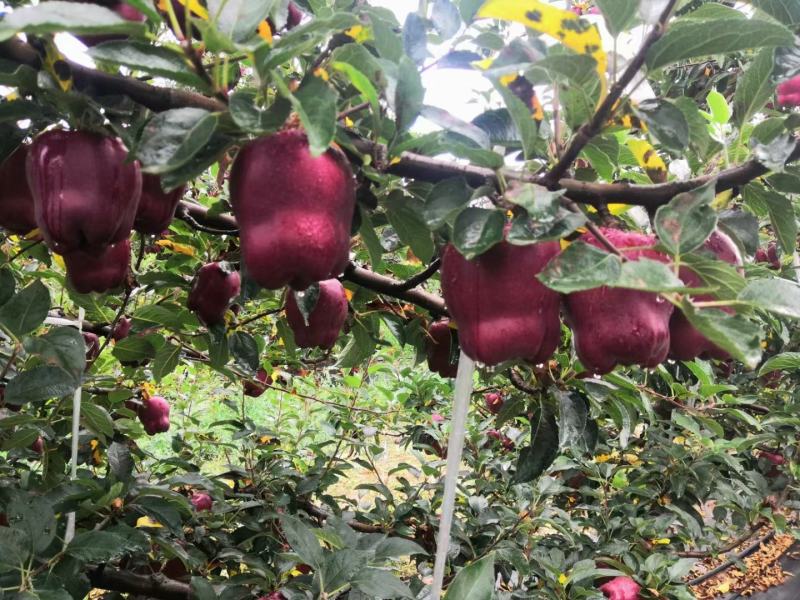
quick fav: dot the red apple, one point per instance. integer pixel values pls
(326, 319)
(201, 501)
(38, 445)
(156, 207)
(439, 345)
(213, 289)
(621, 588)
(122, 329)
(92, 345)
(494, 402)
(154, 415)
(100, 269)
(789, 92)
(17, 213)
(253, 389)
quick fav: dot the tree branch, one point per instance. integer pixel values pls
(606, 108)
(154, 586)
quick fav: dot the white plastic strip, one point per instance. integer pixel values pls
(455, 447)
(76, 422)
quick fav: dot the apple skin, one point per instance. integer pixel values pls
(616, 326)
(154, 415)
(686, 343)
(774, 458)
(122, 329)
(17, 213)
(789, 92)
(253, 389)
(156, 207)
(38, 445)
(213, 289)
(201, 501)
(326, 319)
(100, 270)
(494, 402)
(273, 596)
(769, 256)
(85, 193)
(497, 437)
(438, 347)
(294, 210)
(502, 311)
(294, 17)
(92, 345)
(621, 588)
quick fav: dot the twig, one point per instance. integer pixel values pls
(517, 382)
(732, 561)
(727, 548)
(419, 278)
(261, 315)
(199, 68)
(352, 110)
(607, 107)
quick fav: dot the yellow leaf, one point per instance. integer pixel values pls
(649, 160)
(176, 247)
(563, 25)
(661, 541)
(56, 65)
(724, 587)
(632, 459)
(348, 294)
(359, 33)
(395, 160)
(265, 32)
(196, 8)
(34, 233)
(483, 64)
(295, 573)
(229, 482)
(148, 390)
(506, 80)
(562, 579)
(680, 440)
(59, 261)
(348, 122)
(322, 74)
(722, 199)
(148, 522)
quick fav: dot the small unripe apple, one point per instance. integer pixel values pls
(621, 588)
(213, 290)
(122, 329)
(92, 345)
(253, 389)
(326, 318)
(201, 501)
(154, 415)
(99, 270)
(494, 402)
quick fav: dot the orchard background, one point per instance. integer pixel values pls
(239, 248)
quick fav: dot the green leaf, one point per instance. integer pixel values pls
(521, 115)
(577, 430)
(55, 16)
(40, 383)
(34, 515)
(452, 124)
(14, 549)
(377, 583)
(779, 296)
(786, 361)
(134, 349)
(722, 276)
(166, 360)
(237, 20)
(244, 349)
(754, 87)
(476, 230)
(719, 107)
(415, 38)
(687, 221)
(395, 547)
(735, 334)
(619, 14)
(699, 137)
(26, 310)
(171, 138)
(315, 102)
(371, 240)
(776, 152)
(251, 117)
(120, 461)
(688, 38)
(202, 589)
(444, 202)
(96, 546)
(62, 347)
(302, 540)
(535, 459)
(97, 419)
(475, 581)
(781, 213)
(581, 267)
(7, 285)
(218, 350)
(159, 61)
(405, 216)
(409, 94)
(365, 87)
(666, 123)
(446, 18)
(359, 348)
(784, 11)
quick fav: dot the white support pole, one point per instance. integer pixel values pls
(76, 422)
(455, 447)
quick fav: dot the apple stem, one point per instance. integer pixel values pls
(455, 447)
(76, 422)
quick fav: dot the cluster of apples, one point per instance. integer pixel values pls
(504, 313)
(78, 189)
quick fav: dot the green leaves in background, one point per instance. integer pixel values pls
(26, 310)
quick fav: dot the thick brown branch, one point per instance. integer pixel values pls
(606, 108)
(388, 286)
(153, 586)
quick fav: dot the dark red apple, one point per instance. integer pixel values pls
(85, 193)
(38, 445)
(326, 319)
(616, 326)
(273, 596)
(774, 458)
(294, 17)
(502, 311)
(122, 329)
(686, 343)
(201, 501)
(494, 402)
(621, 588)
(17, 213)
(92, 345)
(439, 346)
(769, 256)
(213, 289)
(497, 437)
(294, 210)
(156, 207)
(253, 389)
(99, 270)
(154, 415)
